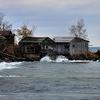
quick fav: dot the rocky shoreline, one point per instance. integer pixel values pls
(86, 56)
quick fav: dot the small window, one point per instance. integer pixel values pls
(66, 46)
(73, 46)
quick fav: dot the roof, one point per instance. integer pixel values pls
(5, 33)
(66, 39)
(63, 39)
(33, 39)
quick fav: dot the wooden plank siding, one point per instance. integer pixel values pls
(62, 48)
(35, 46)
(71, 45)
(78, 46)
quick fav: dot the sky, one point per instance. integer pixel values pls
(54, 17)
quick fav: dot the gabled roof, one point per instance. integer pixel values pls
(63, 39)
(66, 39)
(34, 39)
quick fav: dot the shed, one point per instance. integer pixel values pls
(35, 45)
(71, 45)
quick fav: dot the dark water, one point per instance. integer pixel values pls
(50, 81)
(94, 49)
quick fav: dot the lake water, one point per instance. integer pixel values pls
(94, 49)
(49, 81)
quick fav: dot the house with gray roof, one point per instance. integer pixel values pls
(70, 45)
(35, 46)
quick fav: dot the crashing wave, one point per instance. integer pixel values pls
(61, 59)
(5, 65)
(46, 59)
(58, 59)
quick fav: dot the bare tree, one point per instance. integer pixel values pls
(4, 25)
(24, 31)
(78, 30)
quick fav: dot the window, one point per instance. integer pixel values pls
(66, 46)
(73, 46)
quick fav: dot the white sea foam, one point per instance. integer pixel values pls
(58, 59)
(61, 58)
(80, 61)
(5, 65)
(12, 76)
(46, 59)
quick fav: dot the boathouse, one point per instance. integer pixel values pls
(70, 45)
(33, 47)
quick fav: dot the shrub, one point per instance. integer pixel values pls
(90, 56)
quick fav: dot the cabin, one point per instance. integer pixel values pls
(33, 47)
(8, 46)
(70, 45)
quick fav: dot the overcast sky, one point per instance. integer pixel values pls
(54, 17)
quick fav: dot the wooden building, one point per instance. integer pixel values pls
(70, 45)
(8, 46)
(33, 47)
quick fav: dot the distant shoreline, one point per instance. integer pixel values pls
(94, 49)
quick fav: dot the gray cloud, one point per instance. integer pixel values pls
(54, 16)
(50, 3)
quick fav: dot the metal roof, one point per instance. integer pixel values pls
(33, 39)
(66, 39)
(63, 39)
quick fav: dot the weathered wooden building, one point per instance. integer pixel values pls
(8, 46)
(70, 45)
(33, 47)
